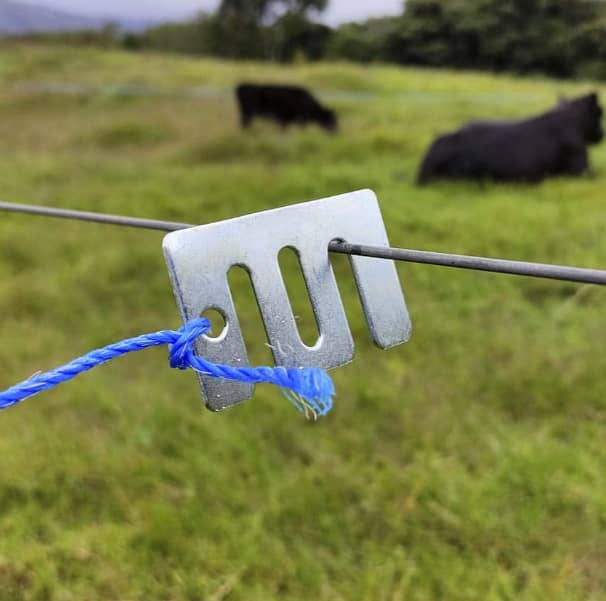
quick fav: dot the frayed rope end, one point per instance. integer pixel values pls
(310, 391)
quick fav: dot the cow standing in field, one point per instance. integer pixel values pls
(284, 104)
(554, 143)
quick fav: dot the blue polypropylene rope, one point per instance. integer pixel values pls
(309, 390)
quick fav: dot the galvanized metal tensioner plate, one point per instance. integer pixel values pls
(199, 259)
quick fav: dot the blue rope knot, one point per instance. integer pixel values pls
(310, 390)
(180, 350)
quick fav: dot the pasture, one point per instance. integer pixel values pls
(467, 464)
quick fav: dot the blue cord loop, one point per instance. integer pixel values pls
(310, 390)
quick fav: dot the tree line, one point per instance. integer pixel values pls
(561, 38)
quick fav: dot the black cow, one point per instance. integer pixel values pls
(284, 104)
(554, 143)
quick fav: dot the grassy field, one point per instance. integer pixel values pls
(468, 464)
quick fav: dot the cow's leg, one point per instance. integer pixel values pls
(576, 161)
(245, 120)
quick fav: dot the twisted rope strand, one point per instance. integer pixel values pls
(309, 390)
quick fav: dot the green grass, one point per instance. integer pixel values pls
(468, 464)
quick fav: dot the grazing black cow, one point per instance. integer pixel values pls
(554, 143)
(284, 104)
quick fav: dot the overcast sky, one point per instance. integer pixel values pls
(338, 11)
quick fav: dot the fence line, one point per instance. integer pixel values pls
(142, 90)
(506, 266)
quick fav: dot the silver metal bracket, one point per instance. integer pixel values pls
(199, 259)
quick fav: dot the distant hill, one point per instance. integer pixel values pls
(17, 18)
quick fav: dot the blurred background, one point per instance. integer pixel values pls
(467, 464)
(558, 38)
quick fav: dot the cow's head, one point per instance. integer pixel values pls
(588, 113)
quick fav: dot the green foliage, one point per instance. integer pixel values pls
(253, 30)
(293, 33)
(553, 37)
(562, 39)
(547, 36)
(465, 465)
(194, 37)
(275, 29)
(364, 42)
(258, 10)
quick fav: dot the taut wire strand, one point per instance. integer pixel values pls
(523, 268)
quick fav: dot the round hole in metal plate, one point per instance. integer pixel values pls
(218, 323)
